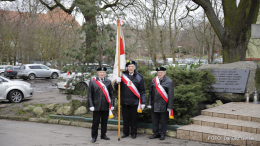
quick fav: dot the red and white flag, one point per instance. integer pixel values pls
(122, 52)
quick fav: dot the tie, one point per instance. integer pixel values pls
(131, 77)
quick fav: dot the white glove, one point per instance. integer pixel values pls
(169, 110)
(149, 106)
(112, 108)
(142, 106)
(92, 109)
(118, 79)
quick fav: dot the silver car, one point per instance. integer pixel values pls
(2, 69)
(32, 71)
(14, 91)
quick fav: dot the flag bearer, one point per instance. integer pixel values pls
(132, 98)
(101, 102)
(161, 102)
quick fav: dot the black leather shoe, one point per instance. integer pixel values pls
(93, 140)
(133, 136)
(162, 137)
(124, 136)
(105, 137)
(154, 136)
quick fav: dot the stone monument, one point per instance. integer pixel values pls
(253, 81)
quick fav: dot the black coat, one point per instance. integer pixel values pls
(96, 97)
(155, 99)
(127, 96)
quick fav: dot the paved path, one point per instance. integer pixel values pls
(14, 133)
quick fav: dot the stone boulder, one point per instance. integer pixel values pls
(38, 111)
(74, 104)
(51, 107)
(67, 110)
(253, 82)
(60, 111)
(58, 106)
(28, 108)
(80, 111)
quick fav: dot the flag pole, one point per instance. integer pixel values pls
(118, 22)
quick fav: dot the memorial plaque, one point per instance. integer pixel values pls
(230, 80)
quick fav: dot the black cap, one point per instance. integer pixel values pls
(102, 69)
(161, 69)
(130, 62)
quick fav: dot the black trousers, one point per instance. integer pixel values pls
(95, 123)
(156, 117)
(130, 116)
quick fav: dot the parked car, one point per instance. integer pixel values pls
(189, 61)
(79, 85)
(217, 61)
(2, 69)
(203, 61)
(11, 71)
(32, 71)
(14, 91)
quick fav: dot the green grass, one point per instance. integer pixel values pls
(21, 112)
(38, 104)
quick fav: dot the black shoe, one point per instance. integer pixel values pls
(162, 137)
(133, 136)
(93, 140)
(154, 136)
(124, 136)
(105, 137)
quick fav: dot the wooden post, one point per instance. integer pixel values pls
(118, 76)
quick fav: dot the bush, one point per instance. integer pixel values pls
(190, 88)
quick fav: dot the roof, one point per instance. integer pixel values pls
(57, 17)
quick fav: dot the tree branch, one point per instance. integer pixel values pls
(213, 19)
(240, 19)
(110, 5)
(58, 4)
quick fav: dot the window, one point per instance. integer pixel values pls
(16, 68)
(9, 68)
(23, 67)
(35, 67)
(44, 67)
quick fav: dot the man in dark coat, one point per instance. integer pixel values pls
(160, 102)
(129, 100)
(100, 103)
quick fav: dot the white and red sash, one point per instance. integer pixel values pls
(132, 87)
(163, 93)
(106, 93)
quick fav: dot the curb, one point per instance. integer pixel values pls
(110, 127)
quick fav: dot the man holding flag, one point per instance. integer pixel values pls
(101, 102)
(161, 102)
(132, 98)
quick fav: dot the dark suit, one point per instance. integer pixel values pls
(160, 106)
(129, 102)
(97, 99)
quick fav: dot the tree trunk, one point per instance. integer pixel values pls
(162, 47)
(234, 50)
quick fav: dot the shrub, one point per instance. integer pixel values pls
(190, 88)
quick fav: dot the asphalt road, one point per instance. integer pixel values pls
(18, 133)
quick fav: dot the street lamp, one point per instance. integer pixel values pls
(179, 51)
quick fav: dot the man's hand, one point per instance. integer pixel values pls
(118, 79)
(142, 106)
(149, 106)
(169, 110)
(112, 108)
(92, 109)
